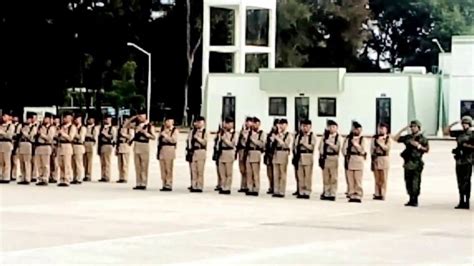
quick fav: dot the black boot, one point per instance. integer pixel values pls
(415, 201)
(466, 203)
(461, 202)
(410, 202)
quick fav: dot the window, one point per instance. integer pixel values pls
(326, 107)
(467, 108)
(277, 106)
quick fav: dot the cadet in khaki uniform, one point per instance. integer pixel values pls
(197, 140)
(43, 143)
(107, 136)
(354, 149)
(25, 148)
(7, 131)
(254, 148)
(34, 158)
(241, 154)
(227, 144)
(15, 158)
(78, 151)
(305, 146)
(280, 158)
(91, 138)
(124, 141)
(167, 141)
(144, 132)
(269, 152)
(380, 150)
(329, 149)
(66, 134)
(54, 164)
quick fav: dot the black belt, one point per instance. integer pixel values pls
(302, 152)
(142, 141)
(227, 148)
(195, 148)
(331, 153)
(255, 149)
(64, 142)
(108, 143)
(168, 144)
(381, 155)
(43, 144)
(356, 153)
(89, 139)
(5, 140)
(25, 141)
(282, 149)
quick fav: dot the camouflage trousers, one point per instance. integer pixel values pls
(463, 174)
(413, 181)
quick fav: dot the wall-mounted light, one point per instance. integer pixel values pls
(229, 94)
(383, 95)
(301, 94)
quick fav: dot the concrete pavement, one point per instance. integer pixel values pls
(111, 223)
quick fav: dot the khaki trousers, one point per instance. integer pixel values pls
(5, 165)
(43, 167)
(105, 162)
(354, 177)
(54, 166)
(270, 176)
(34, 165)
(141, 168)
(15, 165)
(279, 178)
(225, 172)
(197, 174)
(78, 166)
(122, 160)
(305, 175)
(330, 176)
(253, 176)
(243, 174)
(65, 168)
(380, 182)
(25, 166)
(88, 161)
(219, 177)
(166, 168)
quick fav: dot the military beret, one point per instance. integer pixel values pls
(249, 119)
(466, 120)
(56, 117)
(7, 112)
(415, 123)
(78, 114)
(383, 124)
(67, 113)
(306, 122)
(283, 121)
(356, 124)
(276, 121)
(30, 114)
(169, 118)
(107, 115)
(199, 118)
(48, 115)
(229, 120)
(142, 112)
(331, 123)
(256, 120)
(127, 117)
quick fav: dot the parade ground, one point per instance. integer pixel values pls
(109, 223)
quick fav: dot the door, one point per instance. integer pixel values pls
(383, 112)
(228, 107)
(301, 110)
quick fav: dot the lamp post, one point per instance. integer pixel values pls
(148, 91)
(439, 133)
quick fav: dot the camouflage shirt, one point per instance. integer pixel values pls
(463, 155)
(411, 155)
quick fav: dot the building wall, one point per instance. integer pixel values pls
(425, 96)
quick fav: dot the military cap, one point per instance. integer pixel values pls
(283, 121)
(7, 112)
(276, 121)
(48, 115)
(331, 123)
(356, 124)
(383, 124)
(249, 119)
(67, 113)
(415, 123)
(107, 115)
(306, 122)
(256, 120)
(466, 120)
(142, 112)
(229, 120)
(56, 117)
(30, 114)
(78, 114)
(169, 118)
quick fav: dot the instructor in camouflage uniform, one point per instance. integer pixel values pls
(415, 146)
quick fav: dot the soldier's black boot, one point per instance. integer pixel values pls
(415, 201)
(466, 203)
(410, 202)
(461, 202)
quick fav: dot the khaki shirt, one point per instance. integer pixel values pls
(283, 145)
(124, 137)
(92, 131)
(334, 147)
(229, 142)
(143, 147)
(257, 144)
(199, 144)
(107, 135)
(7, 131)
(241, 141)
(27, 138)
(380, 152)
(44, 139)
(307, 148)
(168, 139)
(356, 161)
(66, 136)
(78, 141)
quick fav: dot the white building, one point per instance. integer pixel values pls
(321, 94)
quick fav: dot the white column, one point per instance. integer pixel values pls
(206, 42)
(272, 15)
(240, 38)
